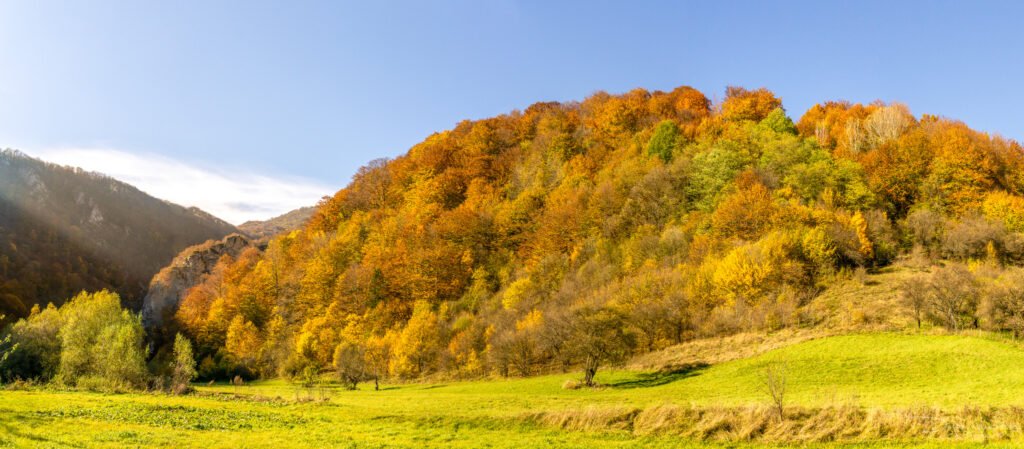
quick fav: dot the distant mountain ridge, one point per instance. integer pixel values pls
(64, 229)
(289, 221)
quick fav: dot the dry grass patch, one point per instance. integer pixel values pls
(840, 423)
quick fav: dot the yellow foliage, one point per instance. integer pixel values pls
(515, 292)
(243, 340)
(532, 320)
(1006, 208)
(860, 226)
(751, 270)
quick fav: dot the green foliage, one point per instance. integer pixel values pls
(779, 122)
(102, 342)
(183, 366)
(713, 171)
(90, 342)
(37, 352)
(663, 142)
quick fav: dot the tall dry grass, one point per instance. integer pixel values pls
(839, 423)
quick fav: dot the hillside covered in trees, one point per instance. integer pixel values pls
(579, 234)
(64, 230)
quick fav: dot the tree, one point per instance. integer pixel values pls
(378, 357)
(183, 365)
(953, 297)
(663, 142)
(886, 123)
(6, 348)
(778, 121)
(350, 363)
(746, 214)
(743, 104)
(914, 294)
(1006, 208)
(773, 383)
(860, 228)
(418, 343)
(243, 342)
(972, 238)
(101, 341)
(1004, 303)
(926, 227)
(33, 346)
(120, 358)
(599, 338)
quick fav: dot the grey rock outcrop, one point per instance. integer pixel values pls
(188, 269)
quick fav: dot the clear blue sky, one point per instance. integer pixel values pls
(313, 90)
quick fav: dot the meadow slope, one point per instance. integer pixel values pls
(967, 386)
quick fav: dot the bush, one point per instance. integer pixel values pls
(102, 343)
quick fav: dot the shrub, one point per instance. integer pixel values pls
(183, 367)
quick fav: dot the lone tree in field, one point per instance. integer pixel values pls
(600, 338)
(183, 367)
(350, 363)
(773, 382)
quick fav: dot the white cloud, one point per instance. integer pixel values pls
(233, 196)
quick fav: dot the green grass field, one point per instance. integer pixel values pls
(868, 371)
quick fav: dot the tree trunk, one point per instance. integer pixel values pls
(376, 383)
(590, 370)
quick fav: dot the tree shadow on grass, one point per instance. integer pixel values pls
(431, 387)
(14, 429)
(661, 377)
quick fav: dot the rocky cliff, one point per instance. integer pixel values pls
(189, 268)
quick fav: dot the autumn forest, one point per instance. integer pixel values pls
(576, 235)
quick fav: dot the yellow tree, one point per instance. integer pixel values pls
(417, 345)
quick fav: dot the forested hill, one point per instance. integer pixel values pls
(584, 232)
(63, 230)
(286, 222)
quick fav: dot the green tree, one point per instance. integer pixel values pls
(599, 338)
(778, 121)
(663, 142)
(183, 367)
(102, 342)
(350, 363)
(33, 347)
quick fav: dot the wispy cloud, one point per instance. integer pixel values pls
(233, 196)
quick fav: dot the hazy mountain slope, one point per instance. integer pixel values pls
(63, 230)
(290, 221)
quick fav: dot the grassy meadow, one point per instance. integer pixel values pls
(887, 389)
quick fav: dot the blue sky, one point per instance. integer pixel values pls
(280, 102)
